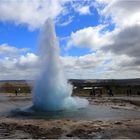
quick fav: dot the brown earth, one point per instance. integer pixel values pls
(11, 128)
(71, 128)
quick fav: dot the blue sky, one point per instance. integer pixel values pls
(20, 36)
(95, 37)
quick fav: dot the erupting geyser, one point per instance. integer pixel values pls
(52, 91)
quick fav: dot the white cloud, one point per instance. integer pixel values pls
(85, 10)
(17, 63)
(21, 67)
(28, 66)
(89, 61)
(29, 60)
(121, 60)
(126, 41)
(103, 1)
(94, 65)
(91, 37)
(82, 7)
(67, 22)
(122, 66)
(122, 12)
(101, 65)
(32, 13)
(120, 47)
(122, 44)
(6, 49)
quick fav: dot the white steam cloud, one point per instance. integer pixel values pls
(52, 91)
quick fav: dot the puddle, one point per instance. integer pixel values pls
(20, 108)
(92, 112)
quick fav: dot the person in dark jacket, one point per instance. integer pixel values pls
(92, 92)
(16, 92)
(110, 93)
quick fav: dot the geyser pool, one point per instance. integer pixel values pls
(52, 91)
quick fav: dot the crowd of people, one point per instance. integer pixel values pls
(98, 92)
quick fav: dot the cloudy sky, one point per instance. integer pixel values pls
(98, 38)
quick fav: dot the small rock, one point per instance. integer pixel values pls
(119, 123)
(69, 135)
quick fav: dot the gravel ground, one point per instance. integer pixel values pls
(12, 127)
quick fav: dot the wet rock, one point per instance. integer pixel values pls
(118, 123)
(98, 129)
(81, 133)
(69, 135)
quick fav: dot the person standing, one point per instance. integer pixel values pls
(16, 92)
(92, 92)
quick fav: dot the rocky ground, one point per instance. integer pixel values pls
(12, 127)
(128, 103)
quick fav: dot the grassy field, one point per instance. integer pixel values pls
(80, 87)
